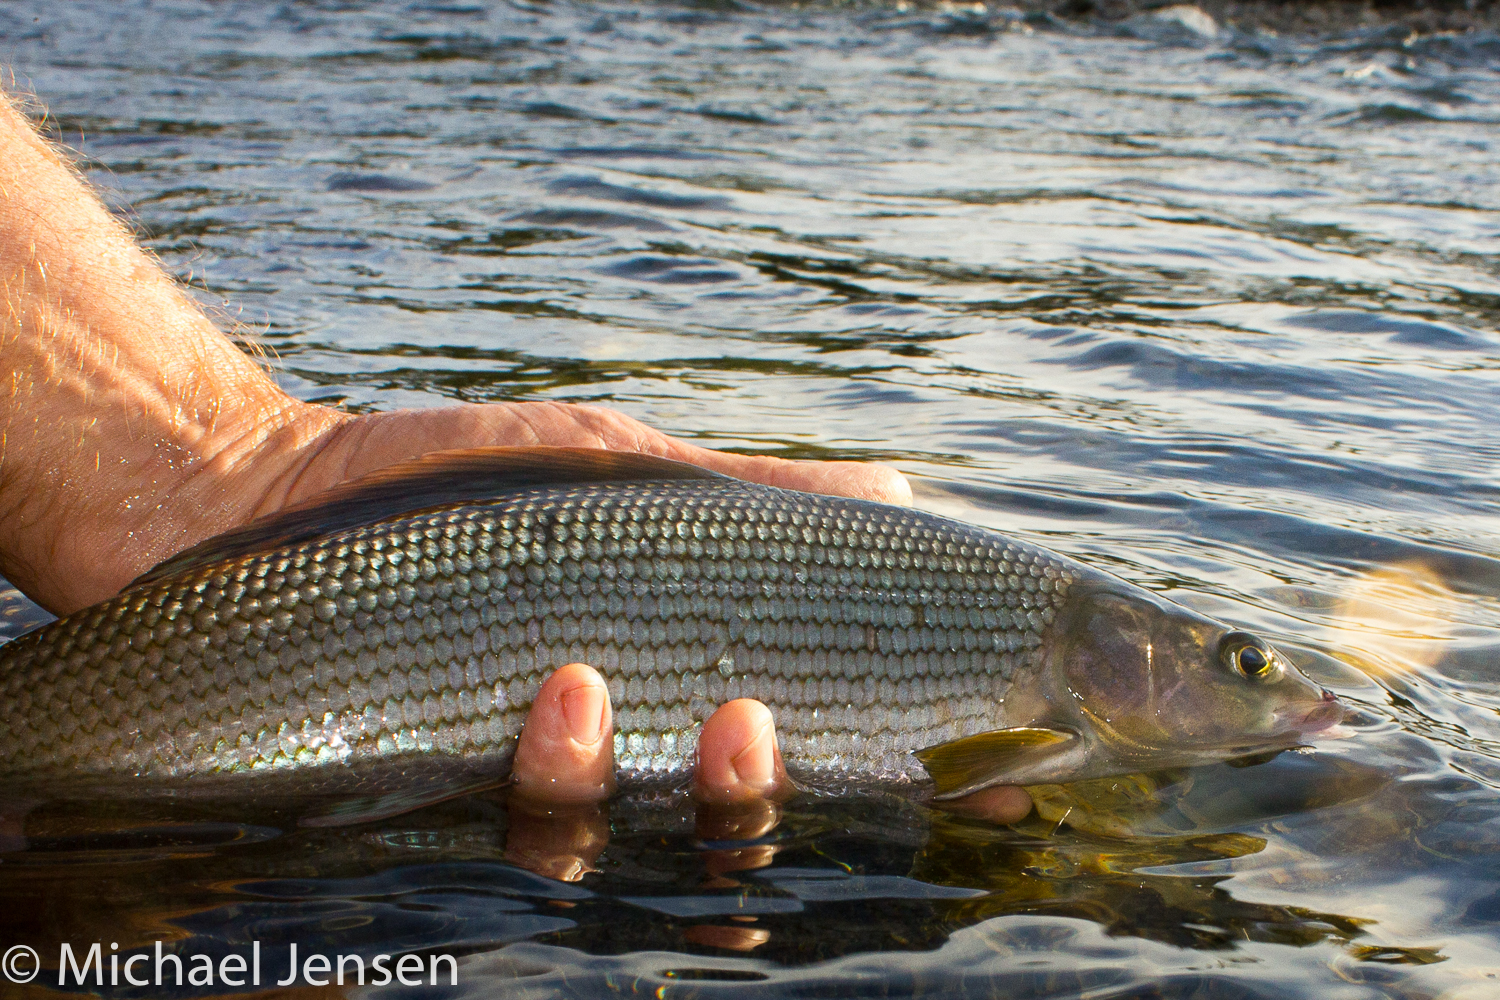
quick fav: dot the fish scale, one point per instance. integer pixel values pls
(869, 630)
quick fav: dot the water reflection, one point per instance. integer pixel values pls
(1143, 857)
(1207, 306)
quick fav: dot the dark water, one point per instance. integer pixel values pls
(1219, 312)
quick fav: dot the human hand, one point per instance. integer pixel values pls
(564, 769)
(131, 428)
(294, 451)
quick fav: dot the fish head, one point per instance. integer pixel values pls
(1160, 685)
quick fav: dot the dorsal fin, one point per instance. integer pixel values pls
(439, 479)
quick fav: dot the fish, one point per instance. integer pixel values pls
(378, 647)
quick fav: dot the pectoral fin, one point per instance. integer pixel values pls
(1255, 759)
(1001, 756)
(367, 809)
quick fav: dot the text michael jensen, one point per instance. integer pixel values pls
(168, 969)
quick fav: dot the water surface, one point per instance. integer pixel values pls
(1213, 309)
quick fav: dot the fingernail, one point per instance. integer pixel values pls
(756, 764)
(583, 708)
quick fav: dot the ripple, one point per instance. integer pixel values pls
(1209, 307)
(590, 187)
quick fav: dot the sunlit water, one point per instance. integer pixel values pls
(1217, 312)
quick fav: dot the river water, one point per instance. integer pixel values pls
(1212, 308)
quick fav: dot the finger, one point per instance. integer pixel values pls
(564, 423)
(730, 938)
(739, 825)
(738, 759)
(566, 752)
(342, 447)
(562, 842)
(738, 821)
(860, 480)
(1001, 805)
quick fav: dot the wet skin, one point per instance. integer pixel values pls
(134, 428)
(564, 771)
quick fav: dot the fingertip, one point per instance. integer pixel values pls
(585, 708)
(738, 755)
(888, 485)
(565, 753)
(572, 674)
(859, 480)
(560, 842)
(582, 701)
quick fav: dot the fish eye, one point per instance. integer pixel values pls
(1247, 656)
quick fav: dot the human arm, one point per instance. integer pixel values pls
(132, 428)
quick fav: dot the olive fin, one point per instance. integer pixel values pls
(960, 767)
(439, 479)
(368, 809)
(1255, 759)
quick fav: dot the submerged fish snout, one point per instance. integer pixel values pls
(1305, 716)
(1328, 713)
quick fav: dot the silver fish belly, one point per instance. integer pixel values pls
(871, 631)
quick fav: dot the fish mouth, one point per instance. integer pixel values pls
(1324, 715)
